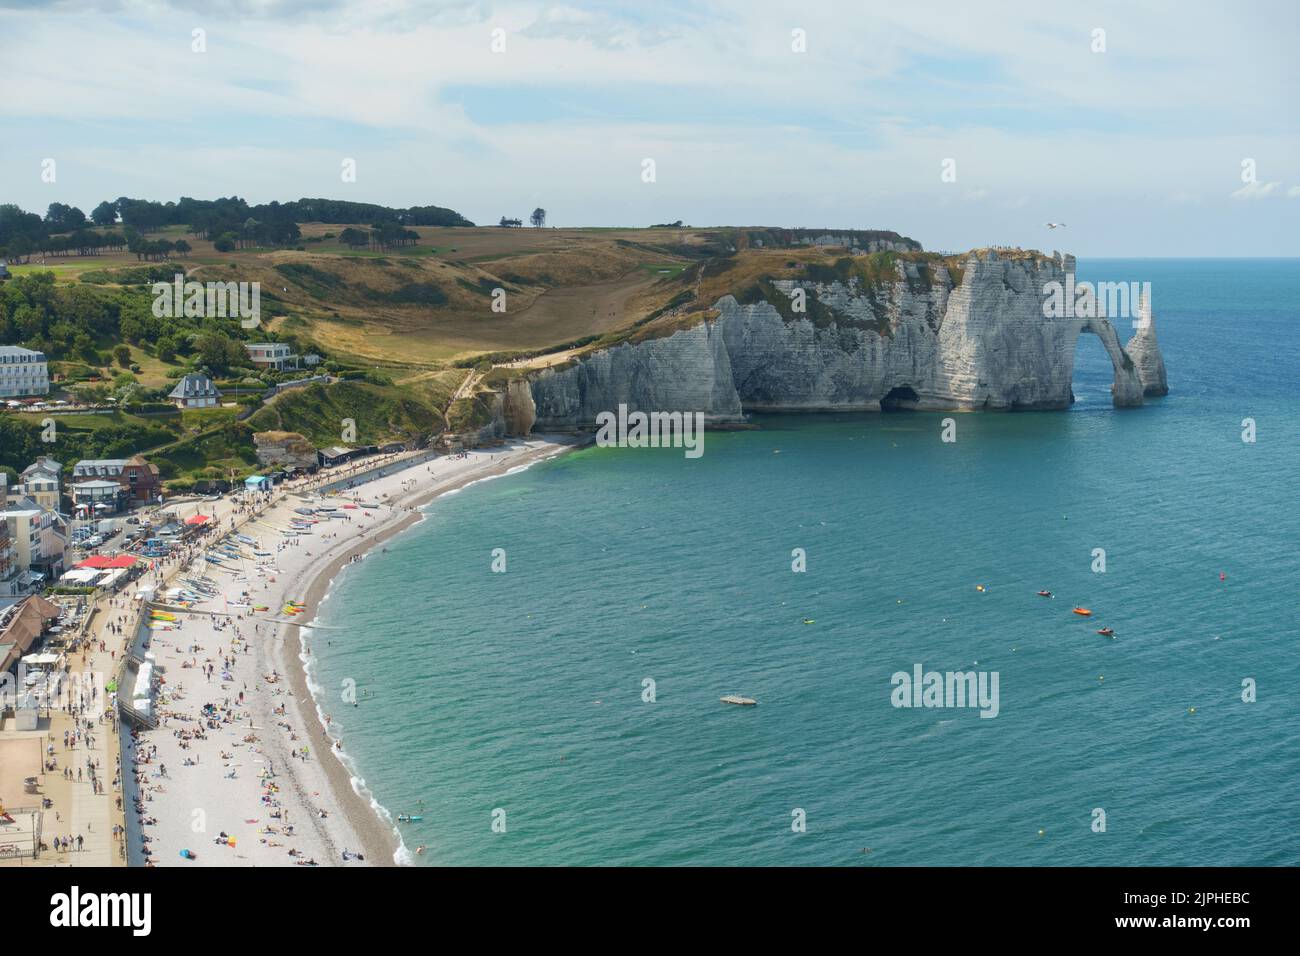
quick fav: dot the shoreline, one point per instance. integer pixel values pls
(380, 839)
(240, 748)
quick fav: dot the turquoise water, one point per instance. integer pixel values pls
(523, 690)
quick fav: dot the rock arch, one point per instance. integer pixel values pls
(1127, 390)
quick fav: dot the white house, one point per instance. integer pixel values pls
(23, 372)
(274, 355)
(195, 391)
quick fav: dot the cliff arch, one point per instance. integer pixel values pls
(1127, 389)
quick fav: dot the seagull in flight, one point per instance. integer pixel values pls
(1053, 225)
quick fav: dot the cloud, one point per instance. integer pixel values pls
(744, 130)
(1256, 190)
(1293, 192)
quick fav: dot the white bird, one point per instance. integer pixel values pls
(1053, 225)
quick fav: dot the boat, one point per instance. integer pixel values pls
(1045, 594)
(1107, 632)
(1083, 611)
(740, 701)
(407, 818)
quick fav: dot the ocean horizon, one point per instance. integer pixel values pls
(566, 711)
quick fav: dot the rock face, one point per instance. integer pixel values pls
(918, 342)
(284, 450)
(1145, 353)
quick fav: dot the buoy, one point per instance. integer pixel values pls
(979, 587)
(1222, 576)
(1042, 833)
(1191, 710)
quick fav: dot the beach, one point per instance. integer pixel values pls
(241, 769)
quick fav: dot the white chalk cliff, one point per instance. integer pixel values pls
(916, 342)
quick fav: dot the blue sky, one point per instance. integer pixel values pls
(1139, 148)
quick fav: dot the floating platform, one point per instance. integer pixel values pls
(741, 701)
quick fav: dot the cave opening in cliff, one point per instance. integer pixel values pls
(901, 398)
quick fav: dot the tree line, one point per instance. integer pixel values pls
(229, 222)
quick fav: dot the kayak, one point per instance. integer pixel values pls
(407, 818)
(1083, 611)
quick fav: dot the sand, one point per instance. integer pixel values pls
(259, 742)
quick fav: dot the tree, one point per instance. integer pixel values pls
(219, 351)
(123, 355)
(225, 242)
(105, 214)
(354, 237)
(182, 247)
(538, 218)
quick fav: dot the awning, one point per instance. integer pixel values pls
(104, 563)
(198, 519)
(82, 576)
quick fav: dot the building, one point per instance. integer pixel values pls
(134, 474)
(98, 468)
(311, 360)
(140, 479)
(23, 372)
(4, 271)
(195, 391)
(43, 490)
(42, 481)
(274, 355)
(39, 543)
(8, 572)
(21, 625)
(100, 496)
(336, 455)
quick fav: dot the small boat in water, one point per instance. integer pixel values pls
(407, 818)
(1046, 594)
(1083, 611)
(740, 701)
(1107, 632)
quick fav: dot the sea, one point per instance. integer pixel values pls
(539, 662)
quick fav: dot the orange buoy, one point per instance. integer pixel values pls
(1083, 610)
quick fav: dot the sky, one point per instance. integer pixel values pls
(1147, 128)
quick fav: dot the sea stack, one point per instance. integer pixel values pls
(1144, 350)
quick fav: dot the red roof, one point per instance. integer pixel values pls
(101, 563)
(198, 519)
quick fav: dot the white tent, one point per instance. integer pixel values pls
(81, 576)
